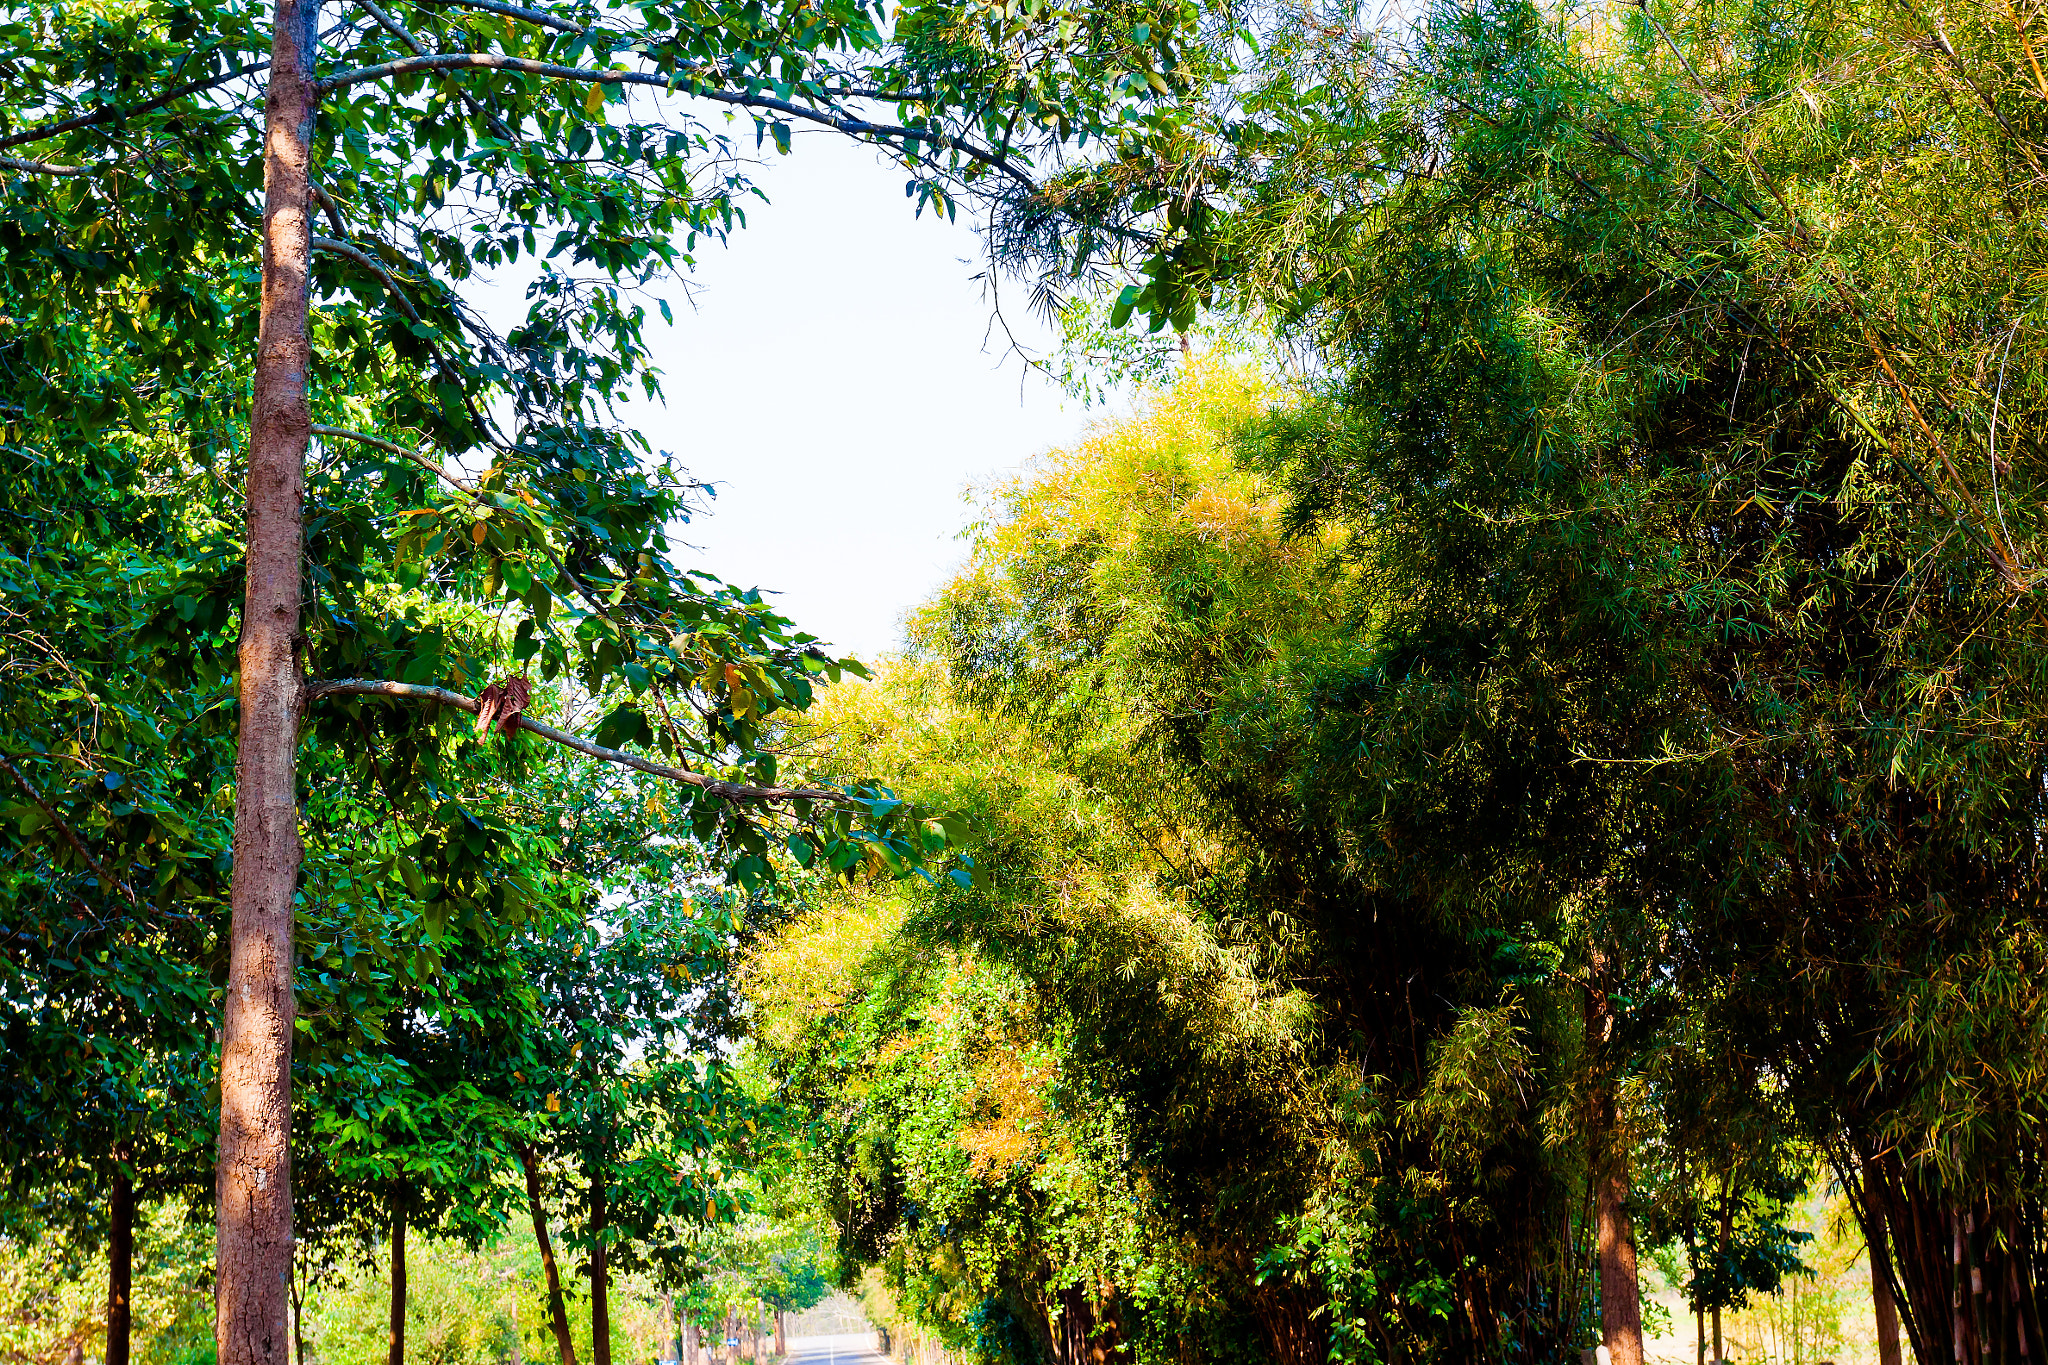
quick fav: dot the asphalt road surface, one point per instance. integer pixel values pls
(854, 1348)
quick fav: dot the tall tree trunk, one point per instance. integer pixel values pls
(781, 1335)
(558, 1315)
(1621, 1301)
(397, 1353)
(253, 1185)
(600, 1278)
(690, 1344)
(120, 1263)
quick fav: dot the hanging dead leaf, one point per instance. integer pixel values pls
(502, 703)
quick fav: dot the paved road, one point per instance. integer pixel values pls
(855, 1348)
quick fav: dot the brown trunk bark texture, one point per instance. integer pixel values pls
(253, 1187)
(558, 1314)
(120, 1266)
(600, 1279)
(397, 1354)
(1621, 1301)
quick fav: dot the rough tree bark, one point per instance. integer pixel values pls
(600, 1278)
(120, 1265)
(397, 1354)
(253, 1177)
(1621, 1302)
(558, 1315)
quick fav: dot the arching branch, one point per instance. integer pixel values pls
(441, 696)
(8, 163)
(371, 264)
(344, 434)
(527, 66)
(108, 115)
(77, 844)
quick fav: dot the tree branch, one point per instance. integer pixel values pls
(71, 838)
(531, 16)
(730, 791)
(8, 163)
(344, 434)
(526, 66)
(116, 115)
(371, 264)
(332, 209)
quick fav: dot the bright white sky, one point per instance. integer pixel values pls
(833, 380)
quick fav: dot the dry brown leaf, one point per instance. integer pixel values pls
(502, 703)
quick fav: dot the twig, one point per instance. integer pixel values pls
(730, 791)
(49, 130)
(369, 263)
(680, 84)
(8, 163)
(70, 837)
(343, 433)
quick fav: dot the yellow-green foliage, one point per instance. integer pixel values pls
(53, 1293)
(464, 1308)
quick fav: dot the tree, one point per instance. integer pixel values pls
(141, 136)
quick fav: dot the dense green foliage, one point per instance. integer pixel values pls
(1588, 725)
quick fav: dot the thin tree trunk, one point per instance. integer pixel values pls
(1883, 1307)
(397, 1354)
(299, 1314)
(600, 1278)
(120, 1264)
(558, 1315)
(253, 1185)
(1722, 1231)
